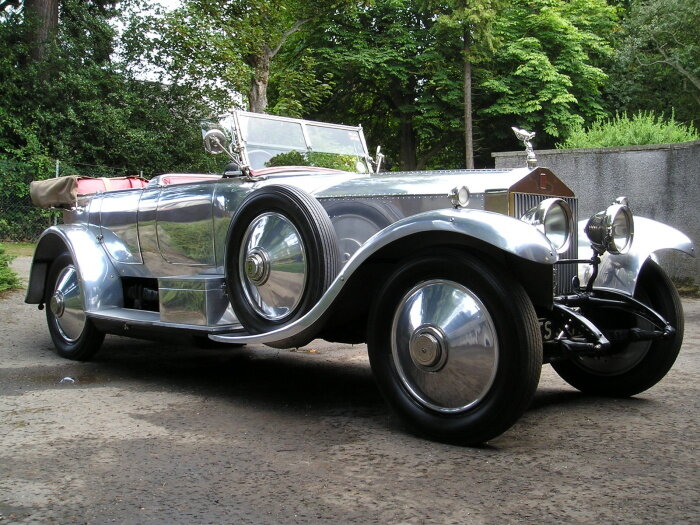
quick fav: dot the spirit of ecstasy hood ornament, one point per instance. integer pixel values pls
(526, 137)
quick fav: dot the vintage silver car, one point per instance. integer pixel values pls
(462, 283)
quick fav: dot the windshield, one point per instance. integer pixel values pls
(271, 141)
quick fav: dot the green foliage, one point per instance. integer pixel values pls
(546, 76)
(8, 278)
(81, 107)
(19, 219)
(296, 89)
(621, 130)
(394, 66)
(657, 64)
(398, 69)
(314, 158)
(374, 54)
(219, 48)
(291, 158)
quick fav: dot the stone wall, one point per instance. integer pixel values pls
(662, 182)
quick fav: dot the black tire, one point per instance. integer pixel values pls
(637, 366)
(73, 335)
(505, 384)
(319, 245)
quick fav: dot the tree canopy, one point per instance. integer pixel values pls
(657, 65)
(435, 82)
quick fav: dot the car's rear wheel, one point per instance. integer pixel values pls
(282, 256)
(455, 347)
(635, 366)
(72, 333)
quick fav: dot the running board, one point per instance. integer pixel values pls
(127, 317)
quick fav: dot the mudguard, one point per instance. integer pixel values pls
(620, 272)
(101, 285)
(501, 231)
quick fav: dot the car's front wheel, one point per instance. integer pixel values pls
(635, 366)
(455, 347)
(72, 333)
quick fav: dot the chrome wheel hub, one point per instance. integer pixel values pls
(66, 305)
(444, 346)
(257, 267)
(57, 304)
(272, 266)
(428, 349)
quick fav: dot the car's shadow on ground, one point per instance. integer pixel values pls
(317, 383)
(260, 375)
(546, 398)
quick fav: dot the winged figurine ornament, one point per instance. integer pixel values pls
(526, 136)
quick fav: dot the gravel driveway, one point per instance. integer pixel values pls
(157, 432)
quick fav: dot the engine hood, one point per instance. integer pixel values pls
(334, 184)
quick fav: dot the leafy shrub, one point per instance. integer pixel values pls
(319, 159)
(8, 278)
(19, 219)
(621, 130)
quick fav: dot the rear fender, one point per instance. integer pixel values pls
(621, 272)
(100, 281)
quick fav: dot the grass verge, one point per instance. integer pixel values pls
(18, 249)
(687, 288)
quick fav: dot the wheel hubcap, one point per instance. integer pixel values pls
(57, 304)
(428, 349)
(66, 305)
(273, 266)
(257, 267)
(444, 346)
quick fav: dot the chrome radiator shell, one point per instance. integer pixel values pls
(563, 273)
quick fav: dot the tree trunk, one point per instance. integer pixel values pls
(468, 122)
(257, 96)
(407, 156)
(42, 15)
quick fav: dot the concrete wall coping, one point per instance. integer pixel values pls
(622, 149)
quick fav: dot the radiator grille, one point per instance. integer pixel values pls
(563, 273)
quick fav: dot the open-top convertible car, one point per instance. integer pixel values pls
(462, 283)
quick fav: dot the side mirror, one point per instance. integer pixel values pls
(215, 142)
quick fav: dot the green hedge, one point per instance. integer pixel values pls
(8, 278)
(622, 130)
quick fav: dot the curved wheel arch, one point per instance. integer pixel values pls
(91, 261)
(352, 279)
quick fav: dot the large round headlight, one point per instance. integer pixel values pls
(612, 229)
(553, 217)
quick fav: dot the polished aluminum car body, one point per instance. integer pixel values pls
(275, 254)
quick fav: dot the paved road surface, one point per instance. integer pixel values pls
(162, 433)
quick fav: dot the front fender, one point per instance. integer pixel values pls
(100, 282)
(620, 272)
(500, 231)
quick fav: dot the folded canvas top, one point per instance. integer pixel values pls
(64, 192)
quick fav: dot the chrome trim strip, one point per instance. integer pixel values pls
(146, 318)
(503, 232)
